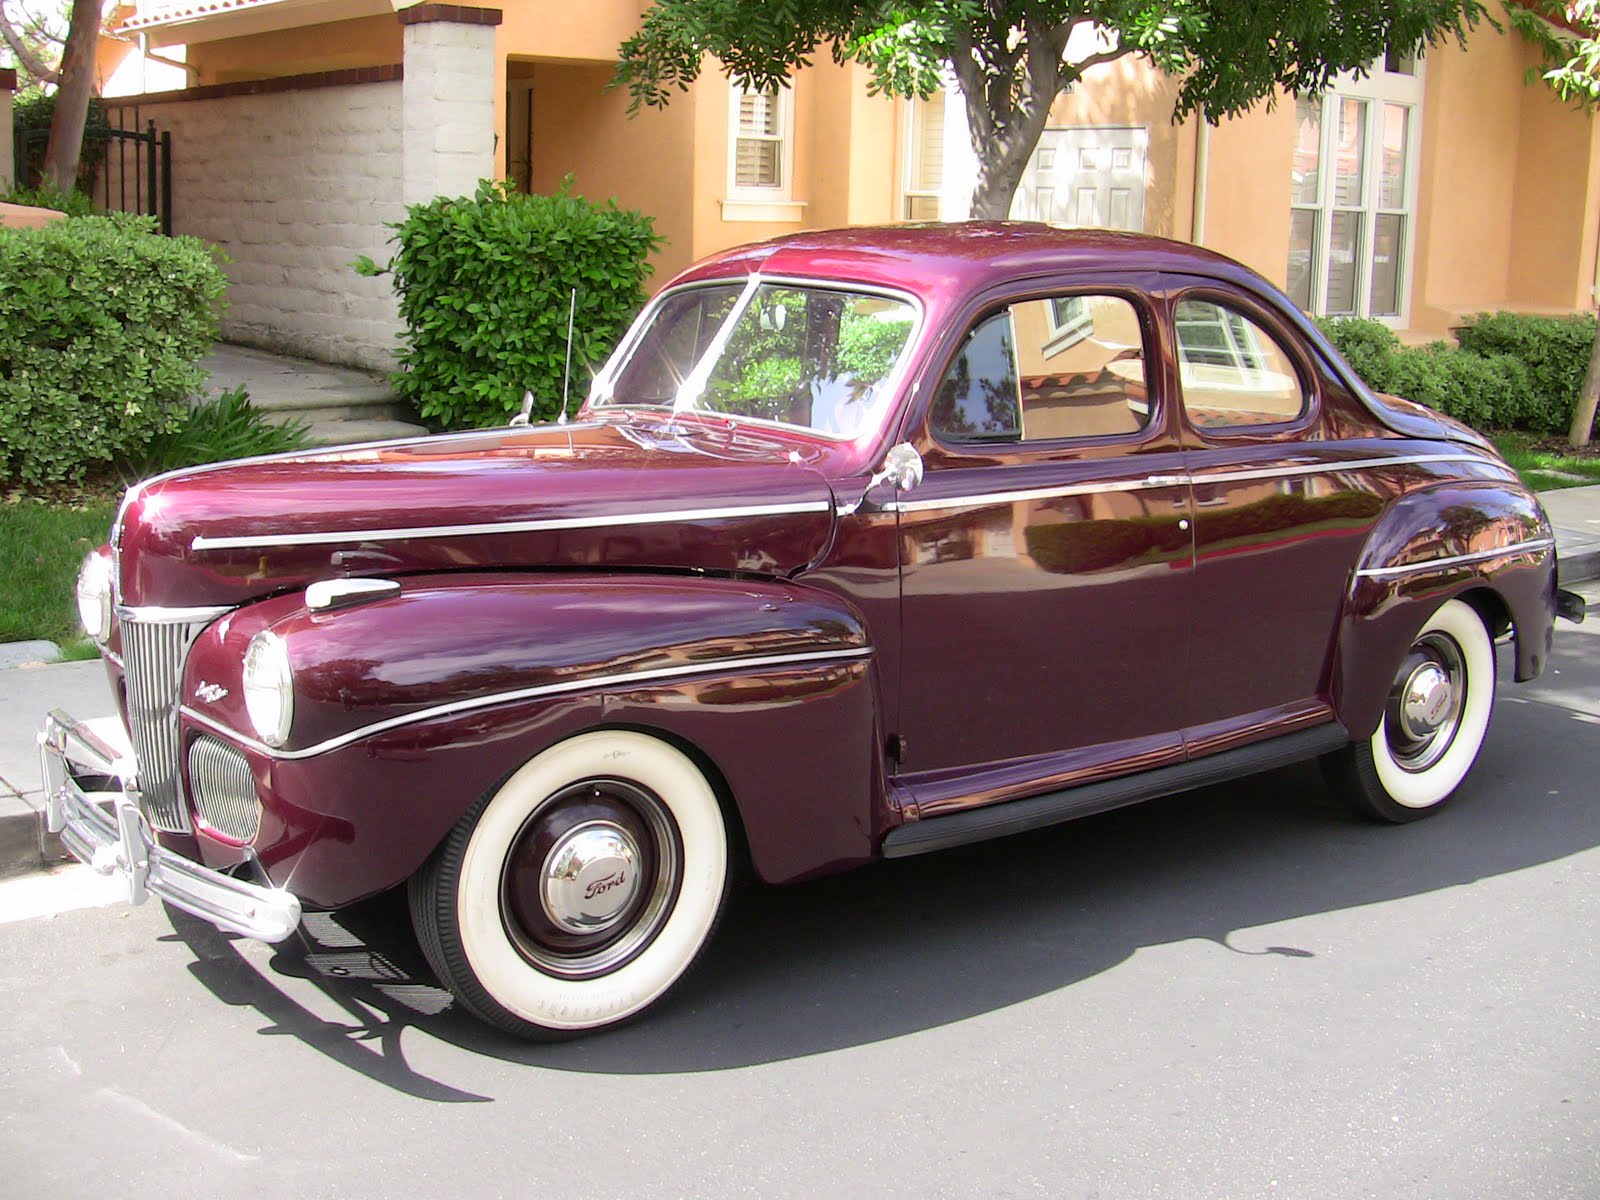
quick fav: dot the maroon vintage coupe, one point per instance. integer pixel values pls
(865, 543)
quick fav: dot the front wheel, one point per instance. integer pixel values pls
(1434, 723)
(575, 895)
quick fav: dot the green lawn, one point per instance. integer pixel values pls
(41, 547)
(1546, 463)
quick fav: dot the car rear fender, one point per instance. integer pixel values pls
(1488, 543)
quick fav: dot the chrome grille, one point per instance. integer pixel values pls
(224, 790)
(154, 646)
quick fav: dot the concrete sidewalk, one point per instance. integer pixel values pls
(28, 692)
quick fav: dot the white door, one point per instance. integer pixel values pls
(1090, 176)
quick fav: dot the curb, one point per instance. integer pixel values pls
(25, 847)
(1578, 567)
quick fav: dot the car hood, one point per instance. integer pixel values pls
(619, 495)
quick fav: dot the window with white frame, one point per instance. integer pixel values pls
(1353, 193)
(761, 139)
(924, 159)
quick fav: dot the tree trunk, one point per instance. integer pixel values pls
(1583, 413)
(1008, 94)
(65, 148)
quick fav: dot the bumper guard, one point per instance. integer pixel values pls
(120, 842)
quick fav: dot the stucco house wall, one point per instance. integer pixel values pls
(292, 185)
(1503, 210)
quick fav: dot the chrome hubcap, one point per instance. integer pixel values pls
(1425, 705)
(1425, 700)
(591, 876)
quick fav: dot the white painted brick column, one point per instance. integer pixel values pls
(447, 99)
(8, 84)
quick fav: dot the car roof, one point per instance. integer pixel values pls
(943, 260)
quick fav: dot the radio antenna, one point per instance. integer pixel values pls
(566, 375)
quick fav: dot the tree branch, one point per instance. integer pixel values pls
(1095, 60)
(26, 58)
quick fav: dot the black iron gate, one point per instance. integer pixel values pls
(129, 170)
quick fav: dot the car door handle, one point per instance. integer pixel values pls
(1165, 480)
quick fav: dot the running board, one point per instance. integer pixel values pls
(1035, 812)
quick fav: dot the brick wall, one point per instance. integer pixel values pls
(449, 99)
(292, 179)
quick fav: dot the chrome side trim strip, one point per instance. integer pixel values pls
(1536, 546)
(565, 687)
(255, 541)
(1046, 493)
(1155, 481)
(1331, 468)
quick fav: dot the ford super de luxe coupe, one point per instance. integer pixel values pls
(864, 544)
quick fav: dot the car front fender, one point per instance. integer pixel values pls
(408, 709)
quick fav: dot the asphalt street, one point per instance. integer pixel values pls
(1240, 992)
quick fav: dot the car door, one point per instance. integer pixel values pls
(1278, 524)
(1046, 555)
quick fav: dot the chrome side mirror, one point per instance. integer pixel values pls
(522, 417)
(902, 466)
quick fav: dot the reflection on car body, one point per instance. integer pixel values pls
(866, 543)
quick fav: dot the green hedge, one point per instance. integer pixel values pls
(1555, 351)
(102, 322)
(1510, 372)
(485, 285)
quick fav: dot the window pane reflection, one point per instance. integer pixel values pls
(1302, 255)
(1344, 261)
(1392, 182)
(1388, 237)
(1307, 171)
(1349, 165)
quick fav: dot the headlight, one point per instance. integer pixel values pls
(269, 687)
(94, 596)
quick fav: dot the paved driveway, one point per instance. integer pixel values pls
(1236, 993)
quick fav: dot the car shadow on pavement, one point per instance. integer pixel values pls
(917, 943)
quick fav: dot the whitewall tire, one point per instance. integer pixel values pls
(1434, 724)
(577, 893)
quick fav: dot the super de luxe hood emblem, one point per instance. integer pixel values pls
(209, 692)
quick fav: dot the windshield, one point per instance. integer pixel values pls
(813, 357)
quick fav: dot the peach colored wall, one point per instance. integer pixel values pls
(1471, 120)
(581, 128)
(533, 30)
(338, 45)
(109, 54)
(590, 30)
(1131, 92)
(1552, 225)
(854, 140)
(1247, 207)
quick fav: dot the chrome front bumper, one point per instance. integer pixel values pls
(120, 842)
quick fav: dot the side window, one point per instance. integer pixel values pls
(1042, 370)
(1234, 373)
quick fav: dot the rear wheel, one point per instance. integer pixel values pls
(575, 895)
(1433, 726)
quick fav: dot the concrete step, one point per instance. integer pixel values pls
(307, 394)
(352, 432)
(337, 409)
